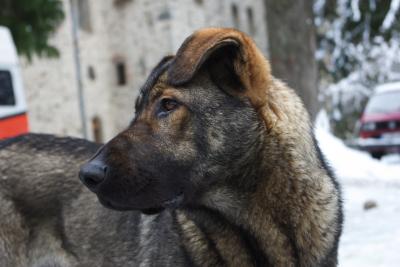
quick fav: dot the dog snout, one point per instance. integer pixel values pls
(93, 173)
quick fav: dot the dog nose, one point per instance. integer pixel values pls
(93, 173)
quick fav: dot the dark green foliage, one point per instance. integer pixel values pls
(32, 22)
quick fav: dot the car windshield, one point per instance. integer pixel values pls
(6, 89)
(384, 103)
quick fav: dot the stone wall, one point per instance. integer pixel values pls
(51, 90)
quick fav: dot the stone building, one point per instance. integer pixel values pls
(119, 42)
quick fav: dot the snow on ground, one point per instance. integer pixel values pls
(371, 238)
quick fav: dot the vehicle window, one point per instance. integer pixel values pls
(384, 103)
(7, 97)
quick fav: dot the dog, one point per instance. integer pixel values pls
(219, 167)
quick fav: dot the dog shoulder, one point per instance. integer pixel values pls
(49, 143)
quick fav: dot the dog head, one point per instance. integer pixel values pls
(197, 125)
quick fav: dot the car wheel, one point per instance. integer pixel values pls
(377, 155)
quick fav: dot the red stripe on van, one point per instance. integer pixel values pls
(13, 125)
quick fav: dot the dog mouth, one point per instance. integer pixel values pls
(111, 205)
(171, 203)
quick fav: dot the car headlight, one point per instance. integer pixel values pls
(369, 126)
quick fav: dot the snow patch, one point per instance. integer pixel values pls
(356, 10)
(370, 238)
(391, 15)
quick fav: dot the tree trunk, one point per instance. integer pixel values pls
(292, 44)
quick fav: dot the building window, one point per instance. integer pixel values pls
(121, 73)
(235, 16)
(164, 15)
(97, 129)
(84, 15)
(7, 97)
(91, 73)
(250, 21)
(121, 3)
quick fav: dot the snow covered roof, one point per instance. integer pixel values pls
(8, 53)
(387, 87)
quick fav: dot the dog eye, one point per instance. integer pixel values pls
(167, 105)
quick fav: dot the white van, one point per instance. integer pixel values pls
(13, 115)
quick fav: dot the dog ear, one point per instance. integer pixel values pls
(223, 51)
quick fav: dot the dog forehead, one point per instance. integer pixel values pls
(152, 81)
(157, 83)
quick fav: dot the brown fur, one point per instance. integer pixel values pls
(251, 66)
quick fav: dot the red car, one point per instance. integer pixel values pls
(380, 122)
